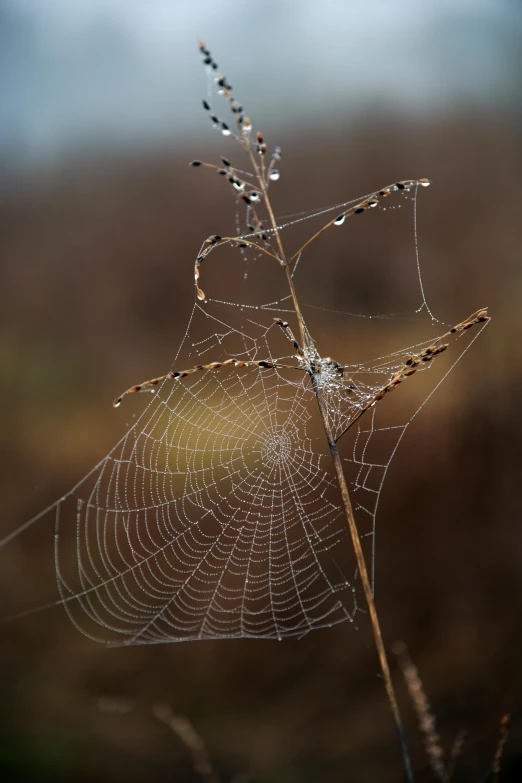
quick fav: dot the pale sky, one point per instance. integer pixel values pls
(88, 73)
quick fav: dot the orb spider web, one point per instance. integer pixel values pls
(217, 515)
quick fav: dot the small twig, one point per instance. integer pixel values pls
(215, 239)
(501, 744)
(361, 206)
(285, 326)
(416, 362)
(456, 751)
(183, 728)
(425, 717)
(151, 384)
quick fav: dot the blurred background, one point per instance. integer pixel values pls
(101, 218)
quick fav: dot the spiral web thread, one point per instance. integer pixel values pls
(213, 515)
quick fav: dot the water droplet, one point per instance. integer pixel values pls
(339, 220)
(254, 196)
(239, 185)
(226, 131)
(424, 182)
(201, 294)
(372, 204)
(274, 175)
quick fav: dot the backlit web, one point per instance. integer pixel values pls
(218, 514)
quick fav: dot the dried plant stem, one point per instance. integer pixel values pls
(183, 728)
(456, 752)
(350, 519)
(501, 744)
(425, 716)
(363, 573)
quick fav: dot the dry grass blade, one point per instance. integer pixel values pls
(456, 751)
(419, 361)
(501, 744)
(151, 384)
(425, 716)
(361, 206)
(183, 728)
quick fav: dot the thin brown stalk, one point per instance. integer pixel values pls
(360, 206)
(456, 752)
(425, 716)
(416, 362)
(501, 744)
(350, 519)
(183, 728)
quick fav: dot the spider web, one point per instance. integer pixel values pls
(218, 514)
(212, 516)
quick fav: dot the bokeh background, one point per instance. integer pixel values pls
(101, 218)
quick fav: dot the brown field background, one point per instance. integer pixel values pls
(97, 253)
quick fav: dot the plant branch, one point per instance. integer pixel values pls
(350, 519)
(361, 206)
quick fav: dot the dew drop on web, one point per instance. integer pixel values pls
(339, 220)
(274, 175)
